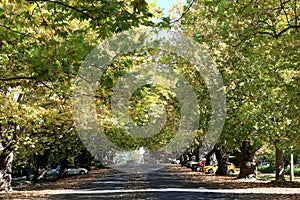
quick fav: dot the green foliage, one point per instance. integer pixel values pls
(42, 46)
(149, 95)
(98, 164)
(256, 47)
(296, 171)
(267, 169)
(19, 182)
(267, 158)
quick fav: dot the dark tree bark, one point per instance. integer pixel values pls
(7, 156)
(279, 164)
(190, 155)
(196, 154)
(27, 171)
(186, 156)
(36, 170)
(208, 157)
(222, 162)
(184, 159)
(246, 157)
(40, 167)
(5, 170)
(84, 159)
(63, 168)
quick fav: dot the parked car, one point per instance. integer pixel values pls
(190, 163)
(262, 164)
(175, 161)
(74, 170)
(71, 170)
(198, 167)
(51, 172)
(211, 169)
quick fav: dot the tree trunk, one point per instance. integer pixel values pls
(190, 156)
(5, 171)
(36, 170)
(196, 154)
(63, 171)
(40, 166)
(279, 165)
(222, 162)
(84, 159)
(184, 159)
(245, 158)
(208, 157)
(27, 171)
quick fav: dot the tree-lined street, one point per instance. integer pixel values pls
(85, 85)
(171, 182)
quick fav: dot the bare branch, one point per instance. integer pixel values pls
(286, 29)
(40, 9)
(274, 35)
(283, 8)
(295, 12)
(266, 33)
(264, 22)
(18, 78)
(184, 13)
(240, 42)
(65, 5)
(20, 33)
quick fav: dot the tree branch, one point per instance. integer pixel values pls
(184, 13)
(295, 12)
(266, 33)
(286, 15)
(65, 5)
(286, 29)
(4, 149)
(20, 33)
(18, 78)
(274, 34)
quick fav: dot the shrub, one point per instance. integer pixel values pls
(296, 171)
(98, 165)
(266, 169)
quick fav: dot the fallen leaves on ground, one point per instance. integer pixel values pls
(44, 188)
(225, 182)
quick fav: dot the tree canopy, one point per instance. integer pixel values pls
(43, 44)
(256, 46)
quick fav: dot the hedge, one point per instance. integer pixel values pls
(271, 169)
(266, 169)
(296, 171)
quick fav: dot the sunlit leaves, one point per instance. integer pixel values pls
(256, 46)
(43, 44)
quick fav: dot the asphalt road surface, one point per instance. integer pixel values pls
(161, 184)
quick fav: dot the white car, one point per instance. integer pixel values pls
(74, 170)
(175, 161)
(262, 164)
(190, 163)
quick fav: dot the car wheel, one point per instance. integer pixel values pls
(82, 172)
(210, 171)
(199, 169)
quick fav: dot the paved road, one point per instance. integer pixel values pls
(161, 184)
